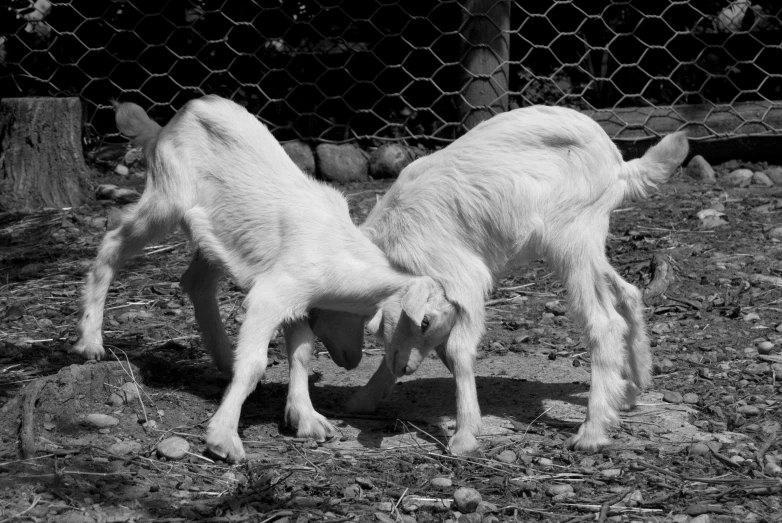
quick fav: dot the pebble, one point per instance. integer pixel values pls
(100, 421)
(122, 170)
(506, 456)
(700, 170)
(760, 178)
(699, 448)
(672, 396)
(125, 447)
(129, 391)
(545, 462)
(466, 499)
(365, 483)
(388, 160)
(352, 492)
(765, 347)
(772, 469)
(470, 518)
(116, 400)
(611, 473)
(173, 448)
(752, 316)
(775, 233)
(441, 482)
(344, 163)
(691, 398)
(738, 178)
(555, 490)
(703, 518)
(749, 410)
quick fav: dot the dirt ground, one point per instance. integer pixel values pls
(714, 294)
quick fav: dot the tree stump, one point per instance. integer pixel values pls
(41, 158)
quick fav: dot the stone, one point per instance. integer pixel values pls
(703, 518)
(737, 178)
(773, 469)
(672, 396)
(699, 169)
(441, 482)
(122, 170)
(699, 448)
(130, 316)
(774, 174)
(691, 398)
(775, 233)
(365, 483)
(557, 489)
(748, 410)
(302, 156)
(765, 347)
(506, 456)
(760, 178)
(125, 447)
(120, 195)
(173, 448)
(342, 163)
(611, 473)
(467, 499)
(101, 421)
(352, 491)
(388, 160)
(129, 392)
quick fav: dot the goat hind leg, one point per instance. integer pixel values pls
(200, 283)
(592, 301)
(639, 357)
(138, 227)
(299, 411)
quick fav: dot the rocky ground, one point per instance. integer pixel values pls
(122, 440)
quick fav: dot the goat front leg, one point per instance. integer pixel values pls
(366, 399)
(200, 283)
(265, 311)
(459, 356)
(299, 411)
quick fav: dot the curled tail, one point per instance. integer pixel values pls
(133, 122)
(656, 166)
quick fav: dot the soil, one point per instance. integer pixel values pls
(714, 297)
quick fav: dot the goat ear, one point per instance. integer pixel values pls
(414, 301)
(376, 323)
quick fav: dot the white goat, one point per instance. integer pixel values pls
(530, 183)
(285, 238)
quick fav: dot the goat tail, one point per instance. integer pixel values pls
(134, 123)
(656, 166)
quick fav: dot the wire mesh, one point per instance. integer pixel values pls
(420, 71)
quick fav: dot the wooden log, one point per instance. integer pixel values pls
(485, 59)
(41, 158)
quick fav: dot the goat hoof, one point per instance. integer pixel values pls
(312, 425)
(463, 444)
(225, 444)
(588, 440)
(88, 349)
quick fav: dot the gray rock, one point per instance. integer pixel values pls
(100, 421)
(388, 160)
(341, 163)
(302, 156)
(125, 447)
(506, 456)
(467, 499)
(699, 169)
(774, 174)
(173, 448)
(120, 195)
(765, 347)
(699, 448)
(122, 170)
(672, 396)
(748, 410)
(556, 490)
(690, 398)
(441, 482)
(760, 178)
(129, 391)
(776, 232)
(737, 178)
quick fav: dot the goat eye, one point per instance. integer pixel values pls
(424, 324)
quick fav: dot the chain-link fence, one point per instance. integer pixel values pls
(418, 70)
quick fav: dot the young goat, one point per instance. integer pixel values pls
(530, 183)
(285, 238)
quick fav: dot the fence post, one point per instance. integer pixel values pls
(485, 53)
